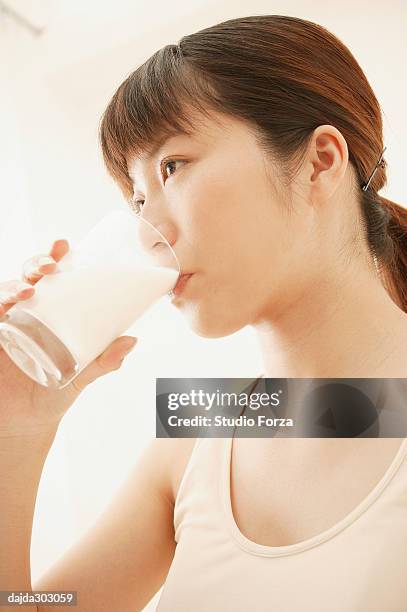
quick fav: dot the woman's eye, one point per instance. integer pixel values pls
(136, 205)
(166, 164)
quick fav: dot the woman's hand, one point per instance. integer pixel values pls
(27, 407)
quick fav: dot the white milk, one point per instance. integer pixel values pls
(87, 308)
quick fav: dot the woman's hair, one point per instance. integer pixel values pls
(283, 75)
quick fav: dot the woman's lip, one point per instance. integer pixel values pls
(181, 283)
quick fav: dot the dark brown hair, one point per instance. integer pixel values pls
(285, 76)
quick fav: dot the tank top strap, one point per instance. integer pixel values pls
(199, 499)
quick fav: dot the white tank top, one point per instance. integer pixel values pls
(358, 565)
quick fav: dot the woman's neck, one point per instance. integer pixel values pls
(345, 327)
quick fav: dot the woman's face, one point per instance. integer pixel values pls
(216, 206)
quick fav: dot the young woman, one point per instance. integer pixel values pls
(255, 146)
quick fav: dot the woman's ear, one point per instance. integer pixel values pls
(326, 161)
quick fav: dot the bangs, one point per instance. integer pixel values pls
(156, 101)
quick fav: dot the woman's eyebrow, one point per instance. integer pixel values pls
(155, 151)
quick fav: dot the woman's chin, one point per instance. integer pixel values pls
(210, 325)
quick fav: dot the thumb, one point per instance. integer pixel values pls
(111, 359)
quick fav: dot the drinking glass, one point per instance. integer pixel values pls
(101, 286)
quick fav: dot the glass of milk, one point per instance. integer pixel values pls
(101, 286)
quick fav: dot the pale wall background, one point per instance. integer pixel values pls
(54, 88)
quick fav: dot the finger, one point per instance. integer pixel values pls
(11, 291)
(8, 299)
(111, 359)
(59, 249)
(35, 267)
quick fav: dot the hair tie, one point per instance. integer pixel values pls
(381, 163)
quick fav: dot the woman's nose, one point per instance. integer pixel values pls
(154, 241)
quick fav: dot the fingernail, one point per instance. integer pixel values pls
(129, 346)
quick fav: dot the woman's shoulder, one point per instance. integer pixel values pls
(173, 455)
(182, 454)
